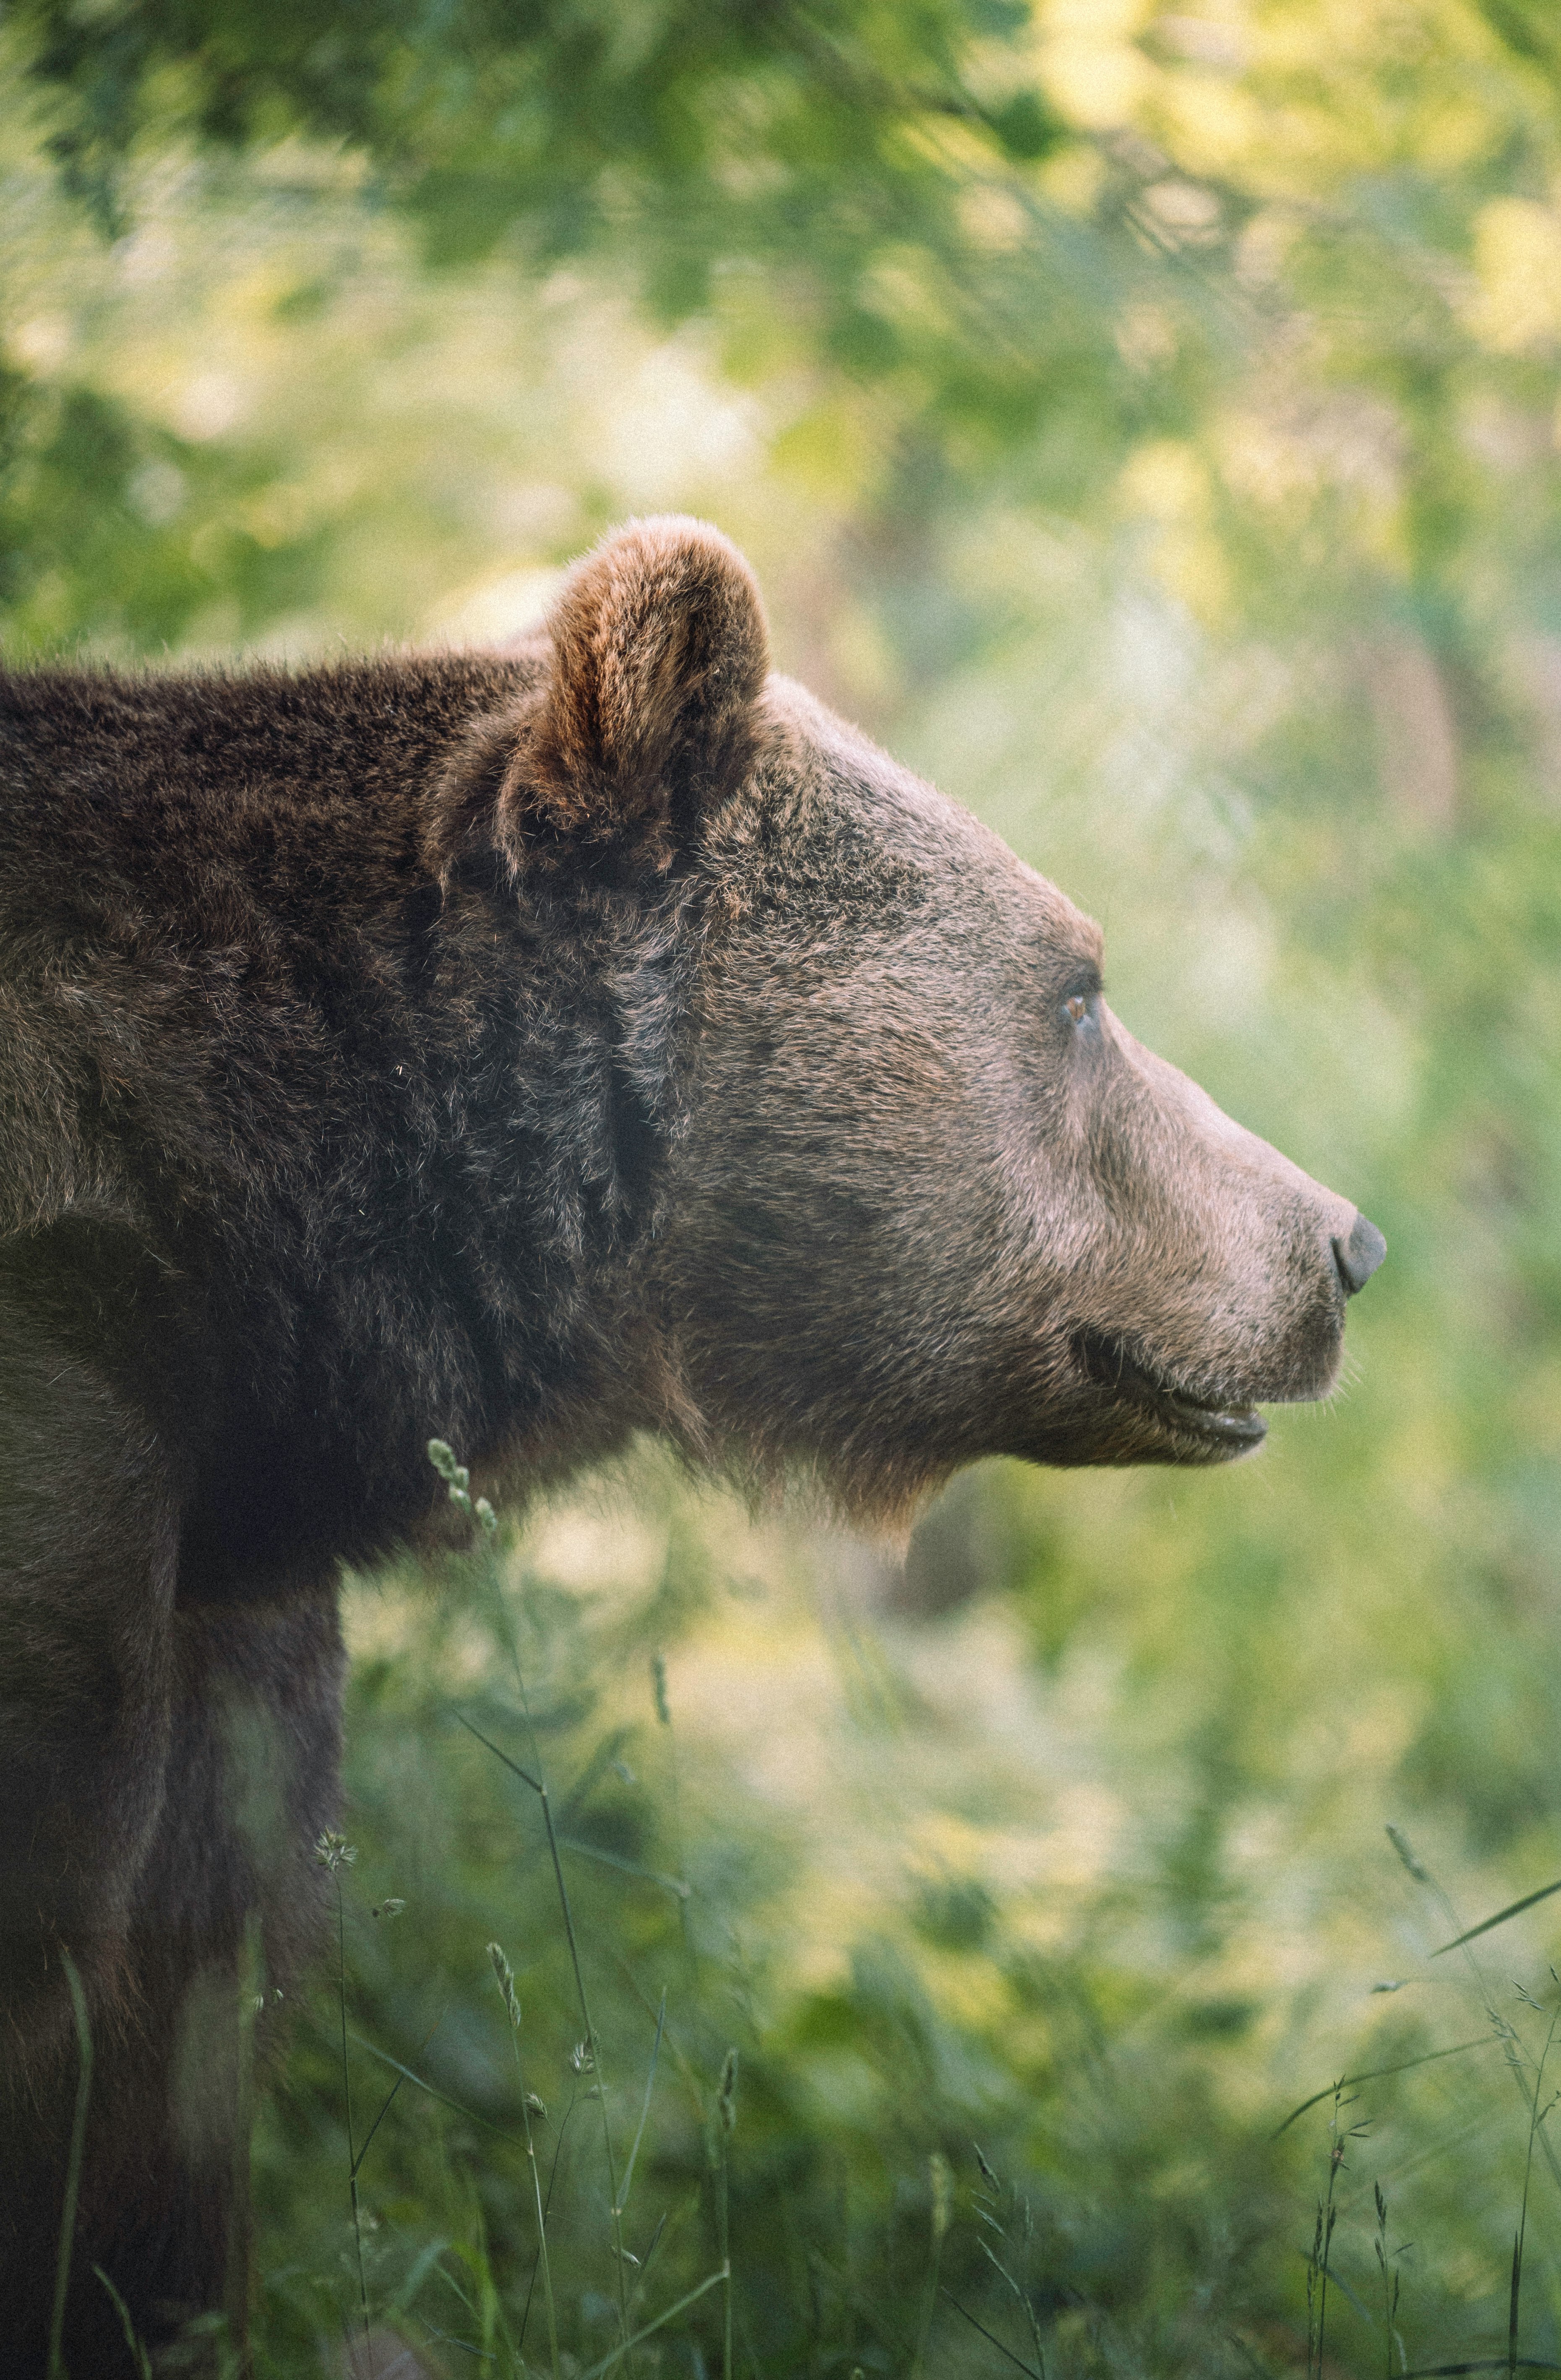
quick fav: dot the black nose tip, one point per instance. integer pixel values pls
(1358, 1257)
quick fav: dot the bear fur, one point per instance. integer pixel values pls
(523, 1049)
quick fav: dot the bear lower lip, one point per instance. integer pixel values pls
(1108, 1364)
(1231, 1425)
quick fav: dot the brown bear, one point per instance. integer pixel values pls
(527, 1051)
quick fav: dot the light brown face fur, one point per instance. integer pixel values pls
(927, 1199)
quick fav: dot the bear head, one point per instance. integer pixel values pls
(919, 1197)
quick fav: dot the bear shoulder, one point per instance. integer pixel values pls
(203, 876)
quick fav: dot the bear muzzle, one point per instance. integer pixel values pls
(1160, 1402)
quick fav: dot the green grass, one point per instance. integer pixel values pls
(722, 1975)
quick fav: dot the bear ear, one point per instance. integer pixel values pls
(648, 715)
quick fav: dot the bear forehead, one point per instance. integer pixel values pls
(978, 885)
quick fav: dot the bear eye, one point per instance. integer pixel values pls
(1078, 1007)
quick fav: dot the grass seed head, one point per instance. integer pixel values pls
(940, 2174)
(507, 1992)
(1401, 1842)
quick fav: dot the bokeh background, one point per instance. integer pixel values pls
(1145, 421)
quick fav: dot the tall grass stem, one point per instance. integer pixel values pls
(1536, 2118)
(346, 2099)
(512, 2010)
(538, 1786)
(493, 1568)
(73, 2165)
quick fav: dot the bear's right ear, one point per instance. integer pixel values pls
(648, 715)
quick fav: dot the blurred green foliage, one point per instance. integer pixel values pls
(1145, 419)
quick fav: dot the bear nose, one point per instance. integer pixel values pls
(1359, 1255)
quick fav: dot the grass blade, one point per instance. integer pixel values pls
(626, 1866)
(1462, 1942)
(139, 2355)
(448, 2338)
(711, 2281)
(1488, 1924)
(645, 2109)
(73, 2168)
(1018, 2360)
(335, 1856)
(1536, 2118)
(506, 1976)
(941, 2185)
(1024, 2302)
(443, 2099)
(539, 1787)
(1347, 2081)
(513, 1765)
(390, 2101)
(592, 1774)
(1479, 2364)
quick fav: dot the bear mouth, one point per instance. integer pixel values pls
(1219, 1425)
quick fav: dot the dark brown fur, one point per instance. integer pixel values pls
(522, 1050)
